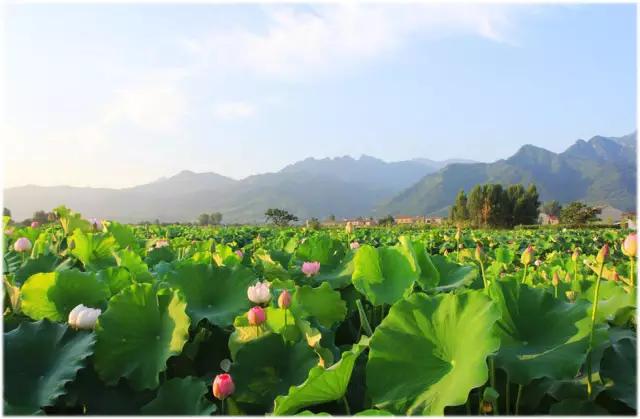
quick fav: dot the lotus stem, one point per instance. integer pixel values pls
(346, 405)
(508, 397)
(484, 279)
(632, 271)
(593, 323)
(493, 384)
(524, 277)
(363, 318)
(222, 407)
(518, 397)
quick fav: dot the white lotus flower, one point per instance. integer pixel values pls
(259, 293)
(82, 317)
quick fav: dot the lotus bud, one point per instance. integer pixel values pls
(310, 268)
(602, 254)
(239, 253)
(538, 262)
(567, 277)
(575, 255)
(223, 386)
(82, 317)
(354, 245)
(284, 300)
(555, 280)
(349, 227)
(478, 254)
(458, 234)
(35, 224)
(72, 244)
(486, 407)
(446, 252)
(630, 245)
(571, 295)
(259, 293)
(162, 243)
(256, 316)
(527, 255)
(9, 231)
(22, 245)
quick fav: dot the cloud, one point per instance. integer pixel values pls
(300, 42)
(233, 110)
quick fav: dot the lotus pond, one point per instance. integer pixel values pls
(103, 318)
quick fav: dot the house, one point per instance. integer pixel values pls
(609, 214)
(418, 219)
(360, 222)
(546, 219)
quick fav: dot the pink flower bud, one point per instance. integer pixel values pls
(354, 245)
(527, 255)
(22, 245)
(630, 245)
(223, 386)
(256, 316)
(556, 279)
(35, 224)
(602, 254)
(310, 268)
(284, 300)
(239, 253)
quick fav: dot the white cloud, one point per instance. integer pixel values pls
(233, 110)
(296, 43)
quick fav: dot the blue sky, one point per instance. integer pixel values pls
(118, 95)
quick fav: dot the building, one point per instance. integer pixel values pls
(546, 219)
(418, 219)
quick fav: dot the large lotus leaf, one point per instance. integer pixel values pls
(72, 221)
(181, 396)
(123, 234)
(94, 250)
(215, 293)
(53, 295)
(116, 278)
(270, 266)
(266, 367)
(322, 303)
(159, 254)
(615, 304)
(373, 412)
(322, 385)
(132, 262)
(618, 371)
(310, 413)
(541, 336)
(39, 359)
(139, 331)
(429, 275)
(577, 407)
(452, 275)
(224, 255)
(321, 248)
(44, 263)
(384, 275)
(338, 277)
(429, 352)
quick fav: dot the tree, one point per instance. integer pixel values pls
(475, 205)
(459, 211)
(552, 208)
(280, 217)
(6, 212)
(41, 217)
(578, 213)
(386, 221)
(215, 218)
(203, 219)
(313, 224)
(332, 218)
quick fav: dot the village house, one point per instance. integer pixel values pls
(418, 219)
(546, 219)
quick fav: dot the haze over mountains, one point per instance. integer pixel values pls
(599, 170)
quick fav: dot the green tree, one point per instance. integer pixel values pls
(279, 217)
(215, 218)
(459, 211)
(6, 212)
(552, 208)
(313, 224)
(578, 213)
(475, 205)
(386, 221)
(203, 219)
(41, 217)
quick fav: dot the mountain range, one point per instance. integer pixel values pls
(599, 170)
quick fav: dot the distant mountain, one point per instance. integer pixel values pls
(342, 186)
(602, 169)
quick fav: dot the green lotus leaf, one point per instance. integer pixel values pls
(41, 264)
(116, 278)
(322, 303)
(123, 234)
(39, 359)
(138, 332)
(321, 248)
(94, 250)
(266, 367)
(618, 371)
(530, 348)
(429, 275)
(384, 275)
(181, 396)
(322, 385)
(217, 294)
(615, 304)
(340, 276)
(310, 413)
(225, 256)
(452, 275)
(577, 407)
(271, 268)
(373, 412)
(160, 254)
(53, 295)
(130, 260)
(429, 352)
(71, 221)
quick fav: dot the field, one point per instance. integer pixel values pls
(375, 321)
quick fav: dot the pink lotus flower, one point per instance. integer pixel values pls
(239, 253)
(162, 243)
(630, 245)
(259, 293)
(35, 224)
(22, 245)
(284, 300)
(256, 316)
(223, 386)
(310, 268)
(354, 245)
(9, 231)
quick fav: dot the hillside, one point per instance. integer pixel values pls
(602, 169)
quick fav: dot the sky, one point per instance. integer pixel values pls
(111, 95)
